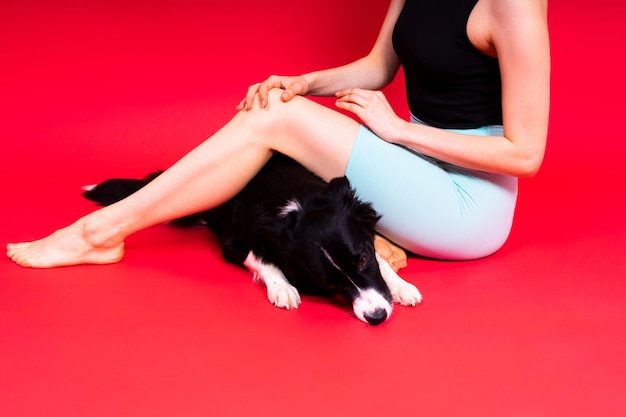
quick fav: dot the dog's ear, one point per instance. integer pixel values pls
(364, 213)
(342, 191)
(339, 185)
(339, 195)
(330, 197)
(335, 195)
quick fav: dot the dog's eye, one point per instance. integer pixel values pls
(362, 263)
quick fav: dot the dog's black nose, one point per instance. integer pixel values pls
(376, 317)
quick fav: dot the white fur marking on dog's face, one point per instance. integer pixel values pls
(368, 300)
(334, 264)
(332, 261)
(291, 206)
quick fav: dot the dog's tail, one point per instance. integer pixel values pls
(116, 189)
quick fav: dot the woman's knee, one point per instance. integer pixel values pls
(276, 110)
(276, 118)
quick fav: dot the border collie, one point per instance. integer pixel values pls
(296, 234)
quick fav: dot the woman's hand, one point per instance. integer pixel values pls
(373, 109)
(292, 86)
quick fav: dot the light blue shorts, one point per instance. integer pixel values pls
(430, 207)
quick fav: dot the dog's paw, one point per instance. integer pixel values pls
(405, 294)
(283, 295)
(402, 292)
(279, 291)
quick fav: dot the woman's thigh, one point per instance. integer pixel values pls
(318, 137)
(430, 208)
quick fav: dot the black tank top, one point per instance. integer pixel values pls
(449, 83)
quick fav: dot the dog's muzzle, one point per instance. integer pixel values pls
(372, 307)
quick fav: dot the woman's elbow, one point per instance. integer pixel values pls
(384, 69)
(529, 165)
(527, 155)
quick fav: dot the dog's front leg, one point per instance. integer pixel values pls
(403, 292)
(279, 291)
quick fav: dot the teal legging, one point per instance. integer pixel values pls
(430, 207)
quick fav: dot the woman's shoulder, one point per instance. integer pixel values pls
(512, 21)
(510, 11)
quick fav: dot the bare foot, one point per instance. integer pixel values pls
(67, 246)
(394, 255)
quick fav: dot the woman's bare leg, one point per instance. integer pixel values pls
(317, 137)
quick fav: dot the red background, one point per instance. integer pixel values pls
(95, 89)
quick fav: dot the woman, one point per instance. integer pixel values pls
(473, 68)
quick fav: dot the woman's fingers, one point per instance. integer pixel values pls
(292, 86)
(372, 108)
(354, 99)
(264, 87)
(355, 96)
(248, 100)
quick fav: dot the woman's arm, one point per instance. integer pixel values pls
(518, 35)
(373, 71)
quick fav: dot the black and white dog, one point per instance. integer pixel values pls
(296, 233)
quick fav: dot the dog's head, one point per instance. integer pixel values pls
(331, 244)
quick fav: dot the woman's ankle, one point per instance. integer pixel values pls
(98, 234)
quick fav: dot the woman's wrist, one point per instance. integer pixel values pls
(402, 131)
(309, 82)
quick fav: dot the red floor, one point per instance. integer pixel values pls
(91, 91)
